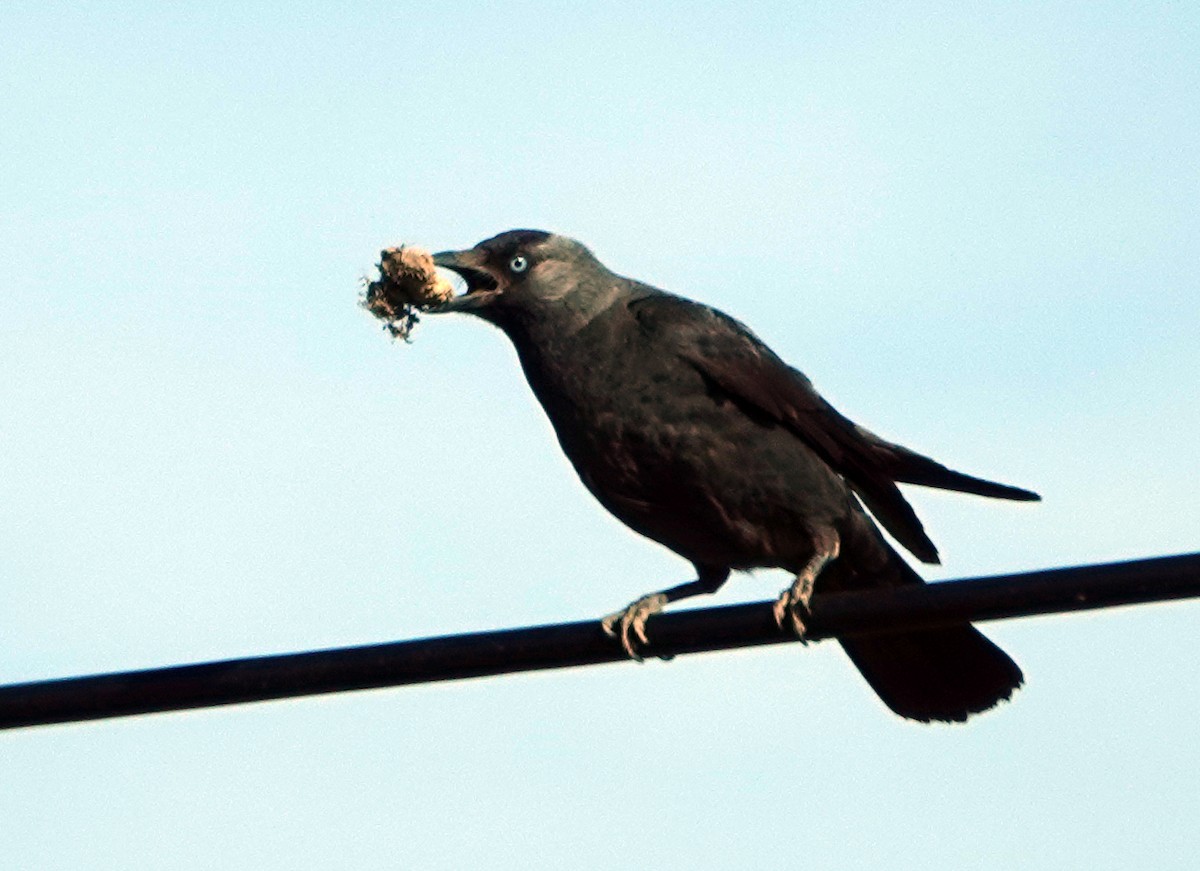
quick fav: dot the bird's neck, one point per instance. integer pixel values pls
(551, 323)
(566, 351)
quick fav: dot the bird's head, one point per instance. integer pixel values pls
(526, 271)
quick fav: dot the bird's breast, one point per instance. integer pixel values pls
(639, 425)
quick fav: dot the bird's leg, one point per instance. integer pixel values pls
(793, 603)
(629, 624)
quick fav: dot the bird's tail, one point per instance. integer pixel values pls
(943, 674)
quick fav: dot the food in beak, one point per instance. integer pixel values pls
(408, 283)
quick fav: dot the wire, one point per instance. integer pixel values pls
(454, 657)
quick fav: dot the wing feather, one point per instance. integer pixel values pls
(737, 362)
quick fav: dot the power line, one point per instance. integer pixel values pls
(478, 654)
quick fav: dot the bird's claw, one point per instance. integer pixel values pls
(629, 624)
(792, 608)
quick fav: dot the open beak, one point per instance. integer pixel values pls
(482, 286)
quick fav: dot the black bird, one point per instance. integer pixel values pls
(695, 434)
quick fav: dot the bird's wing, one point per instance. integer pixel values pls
(733, 360)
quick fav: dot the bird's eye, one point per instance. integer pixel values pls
(518, 264)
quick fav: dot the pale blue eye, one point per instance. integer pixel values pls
(518, 264)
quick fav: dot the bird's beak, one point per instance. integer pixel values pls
(482, 286)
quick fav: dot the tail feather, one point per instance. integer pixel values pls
(945, 673)
(935, 674)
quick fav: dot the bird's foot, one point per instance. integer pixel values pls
(629, 625)
(792, 607)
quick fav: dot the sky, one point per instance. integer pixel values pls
(974, 226)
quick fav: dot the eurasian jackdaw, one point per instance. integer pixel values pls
(695, 434)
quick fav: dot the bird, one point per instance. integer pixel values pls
(683, 424)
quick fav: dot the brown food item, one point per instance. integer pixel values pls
(407, 284)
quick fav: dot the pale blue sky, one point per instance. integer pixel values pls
(975, 228)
